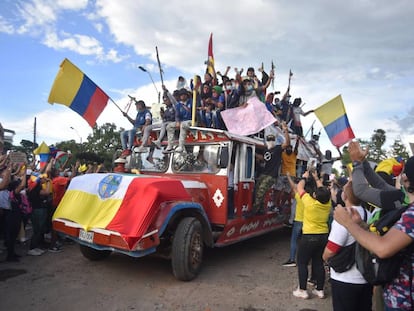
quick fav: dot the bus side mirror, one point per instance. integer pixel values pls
(224, 157)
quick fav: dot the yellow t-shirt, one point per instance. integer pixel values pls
(299, 208)
(315, 215)
(288, 164)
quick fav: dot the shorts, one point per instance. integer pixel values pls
(282, 184)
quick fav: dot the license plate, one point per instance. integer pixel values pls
(86, 236)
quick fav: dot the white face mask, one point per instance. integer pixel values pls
(270, 144)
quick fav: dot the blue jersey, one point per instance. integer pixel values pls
(141, 118)
(183, 111)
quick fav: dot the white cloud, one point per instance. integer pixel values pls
(6, 27)
(72, 4)
(36, 14)
(360, 49)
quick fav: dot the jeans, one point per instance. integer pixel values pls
(13, 222)
(296, 233)
(39, 222)
(184, 127)
(147, 132)
(127, 138)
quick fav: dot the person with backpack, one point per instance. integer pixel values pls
(398, 293)
(350, 291)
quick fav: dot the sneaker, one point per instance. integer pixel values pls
(55, 249)
(126, 152)
(68, 241)
(157, 144)
(141, 149)
(168, 150)
(35, 252)
(318, 293)
(289, 263)
(24, 239)
(179, 149)
(301, 293)
(59, 244)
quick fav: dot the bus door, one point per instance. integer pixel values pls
(244, 182)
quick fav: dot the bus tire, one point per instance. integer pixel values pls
(187, 249)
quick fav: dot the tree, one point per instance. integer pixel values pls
(376, 153)
(104, 141)
(398, 149)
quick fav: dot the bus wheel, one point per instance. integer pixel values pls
(187, 249)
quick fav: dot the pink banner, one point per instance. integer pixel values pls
(248, 120)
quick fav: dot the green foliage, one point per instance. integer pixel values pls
(26, 146)
(398, 149)
(376, 151)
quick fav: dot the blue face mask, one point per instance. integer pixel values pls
(249, 87)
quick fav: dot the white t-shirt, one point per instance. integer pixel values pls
(340, 236)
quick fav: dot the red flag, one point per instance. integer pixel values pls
(210, 61)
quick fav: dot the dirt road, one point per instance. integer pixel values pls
(244, 277)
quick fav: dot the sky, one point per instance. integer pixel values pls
(361, 49)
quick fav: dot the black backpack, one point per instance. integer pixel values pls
(345, 258)
(379, 271)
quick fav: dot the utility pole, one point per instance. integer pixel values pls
(34, 134)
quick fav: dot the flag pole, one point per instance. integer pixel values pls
(193, 108)
(311, 128)
(115, 104)
(159, 65)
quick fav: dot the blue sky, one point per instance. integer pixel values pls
(363, 50)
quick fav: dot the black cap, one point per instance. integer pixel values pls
(409, 169)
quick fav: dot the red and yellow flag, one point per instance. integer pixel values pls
(210, 61)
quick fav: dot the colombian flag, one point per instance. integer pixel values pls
(122, 203)
(333, 117)
(74, 89)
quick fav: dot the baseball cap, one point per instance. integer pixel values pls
(409, 169)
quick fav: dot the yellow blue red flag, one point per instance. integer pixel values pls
(75, 90)
(333, 117)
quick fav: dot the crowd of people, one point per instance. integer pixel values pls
(214, 94)
(29, 195)
(328, 213)
(316, 237)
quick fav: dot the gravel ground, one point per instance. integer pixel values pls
(247, 276)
